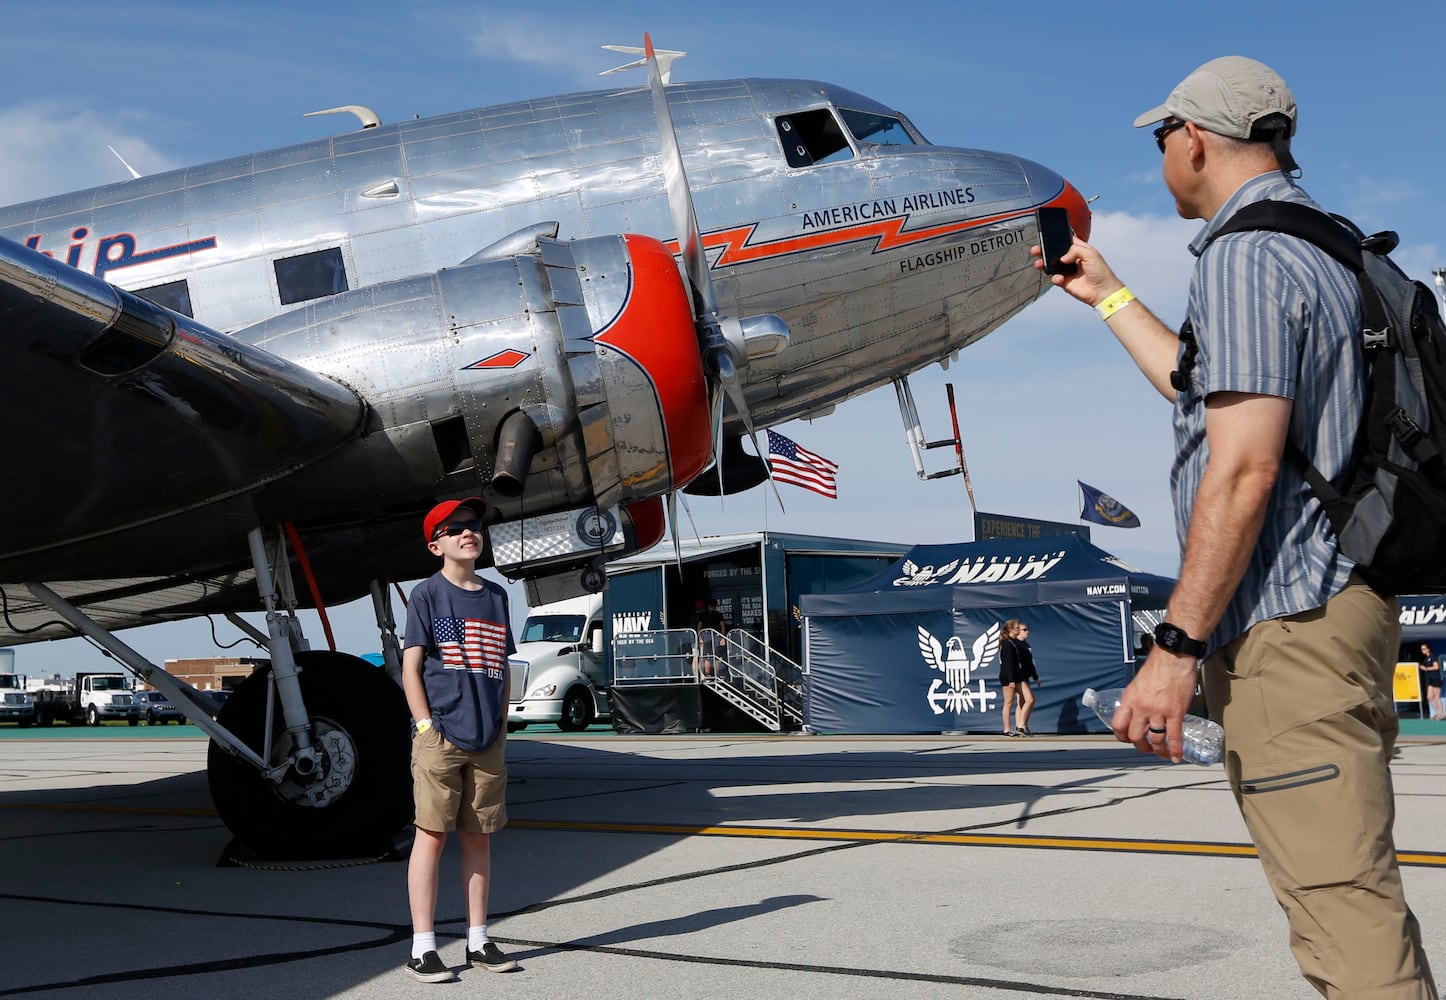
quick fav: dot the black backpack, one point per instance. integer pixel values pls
(1389, 512)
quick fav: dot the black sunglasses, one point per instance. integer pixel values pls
(457, 527)
(1165, 130)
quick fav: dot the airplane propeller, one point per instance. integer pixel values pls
(727, 342)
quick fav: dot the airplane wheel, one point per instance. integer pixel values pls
(576, 711)
(361, 797)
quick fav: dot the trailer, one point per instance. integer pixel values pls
(667, 681)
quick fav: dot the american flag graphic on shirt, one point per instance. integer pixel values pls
(471, 644)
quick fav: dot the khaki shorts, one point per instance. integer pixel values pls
(456, 789)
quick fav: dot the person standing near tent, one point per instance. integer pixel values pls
(1299, 652)
(1431, 680)
(1016, 670)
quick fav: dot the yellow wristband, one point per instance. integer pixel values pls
(423, 725)
(1114, 303)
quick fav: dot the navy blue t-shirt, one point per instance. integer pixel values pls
(467, 638)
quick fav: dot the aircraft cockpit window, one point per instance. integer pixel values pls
(811, 137)
(882, 130)
(311, 276)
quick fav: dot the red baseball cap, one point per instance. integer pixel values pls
(441, 513)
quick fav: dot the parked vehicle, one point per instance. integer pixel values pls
(16, 705)
(91, 699)
(157, 709)
(558, 671)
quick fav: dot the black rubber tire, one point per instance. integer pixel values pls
(516, 727)
(577, 710)
(92, 717)
(26, 723)
(369, 707)
(134, 720)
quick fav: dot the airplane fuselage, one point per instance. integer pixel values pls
(386, 260)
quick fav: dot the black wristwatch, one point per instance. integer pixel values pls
(1173, 639)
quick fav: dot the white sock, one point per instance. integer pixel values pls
(477, 938)
(423, 943)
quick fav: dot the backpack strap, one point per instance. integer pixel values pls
(1331, 233)
(1343, 241)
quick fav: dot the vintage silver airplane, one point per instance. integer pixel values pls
(216, 376)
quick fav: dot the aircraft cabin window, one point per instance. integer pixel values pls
(311, 276)
(882, 130)
(174, 295)
(811, 137)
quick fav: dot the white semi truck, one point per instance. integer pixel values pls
(16, 705)
(92, 699)
(559, 671)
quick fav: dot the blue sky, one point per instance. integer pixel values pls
(1047, 399)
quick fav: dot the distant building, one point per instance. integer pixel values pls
(214, 673)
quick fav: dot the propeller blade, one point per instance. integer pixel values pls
(740, 405)
(673, 530)
(680, 199)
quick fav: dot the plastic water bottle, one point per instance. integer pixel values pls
(1204, 740)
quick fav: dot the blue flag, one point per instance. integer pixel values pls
(1101, 508)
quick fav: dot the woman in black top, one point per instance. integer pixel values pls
(1431, 673)
(1016, 671)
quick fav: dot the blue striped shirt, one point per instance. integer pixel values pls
(1273, 315)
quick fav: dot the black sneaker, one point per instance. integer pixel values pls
(491, 959)
(430, 969)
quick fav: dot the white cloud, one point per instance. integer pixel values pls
(51, 148)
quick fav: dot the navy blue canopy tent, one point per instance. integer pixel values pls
(916, 649)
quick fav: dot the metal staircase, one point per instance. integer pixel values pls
(757, 680)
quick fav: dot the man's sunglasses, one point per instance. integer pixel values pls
(457, 527)
(1165, 130)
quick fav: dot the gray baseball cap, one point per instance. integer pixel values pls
(1226, 96)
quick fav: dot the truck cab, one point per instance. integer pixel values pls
(106, 696)
(558, 673)
(16, 705)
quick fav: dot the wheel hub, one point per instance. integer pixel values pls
(331, 773)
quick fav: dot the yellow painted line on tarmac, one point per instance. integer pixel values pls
(1130, 845)
(128, 810)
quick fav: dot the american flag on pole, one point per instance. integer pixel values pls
(791, 463)
(470, 644)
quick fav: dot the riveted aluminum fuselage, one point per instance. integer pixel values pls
(880, 261)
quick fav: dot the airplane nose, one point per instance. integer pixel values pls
(1059, 193)
(1079, 213)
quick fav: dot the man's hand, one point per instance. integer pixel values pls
(1092, 283)
(1158, 699)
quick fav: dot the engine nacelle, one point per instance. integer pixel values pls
(566, 379)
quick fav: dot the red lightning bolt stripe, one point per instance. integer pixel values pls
(888, 233)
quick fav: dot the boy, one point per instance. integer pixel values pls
(454, 672)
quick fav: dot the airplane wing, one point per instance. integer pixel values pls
(110, 400)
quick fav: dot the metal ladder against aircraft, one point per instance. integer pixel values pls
(753, 677)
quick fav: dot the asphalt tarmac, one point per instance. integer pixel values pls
(692, 867)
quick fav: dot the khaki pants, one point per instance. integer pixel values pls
(1310, 724)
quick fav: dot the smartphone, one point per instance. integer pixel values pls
(1055, 239)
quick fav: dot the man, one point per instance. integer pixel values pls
(1298, 652)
